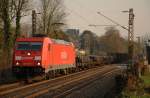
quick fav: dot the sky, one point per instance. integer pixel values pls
(81, 13)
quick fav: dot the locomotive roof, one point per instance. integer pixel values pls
(61, 42)
(57, 41)
(30, 39)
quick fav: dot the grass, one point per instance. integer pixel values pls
(145, 96)
(146, 79)
(145, 84)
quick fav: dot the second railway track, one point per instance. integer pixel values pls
(37, 89)
(77, 86)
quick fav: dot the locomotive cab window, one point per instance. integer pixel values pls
(29, 46)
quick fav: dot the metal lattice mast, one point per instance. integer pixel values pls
(33, 22)
(131, 34)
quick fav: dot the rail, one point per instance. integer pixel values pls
(52, 85)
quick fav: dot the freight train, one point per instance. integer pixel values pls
(43, 55)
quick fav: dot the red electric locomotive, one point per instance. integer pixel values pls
(38, 55)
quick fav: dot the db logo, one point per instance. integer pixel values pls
(63, 55)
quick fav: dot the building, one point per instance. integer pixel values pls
(73, 36)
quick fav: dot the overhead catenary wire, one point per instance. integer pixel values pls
(91, 11)
(101, 25)
(77, 14)
(99, 13)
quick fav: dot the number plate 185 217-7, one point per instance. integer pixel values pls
(27, 58)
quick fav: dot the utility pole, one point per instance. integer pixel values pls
(130, 30)
(139, 44)
(131, 36)
(138, 39)
(33, 22)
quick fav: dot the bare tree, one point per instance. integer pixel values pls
(1, 24)
(20, 8)
(113, 41)
(5, 16)
(1, 34)
(9, 10)
(52, 12)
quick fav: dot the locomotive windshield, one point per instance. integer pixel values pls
(29, 46)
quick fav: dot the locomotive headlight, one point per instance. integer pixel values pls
(17, 57)
(17, 63)
(38, 63)
(37, 58)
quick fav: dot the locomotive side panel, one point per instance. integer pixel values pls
(63, 56)
(47, 53)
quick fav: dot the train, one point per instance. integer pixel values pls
(46, 56)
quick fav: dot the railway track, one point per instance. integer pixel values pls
(15, 85)
(10, 86)
(67, 90)
(54, 86)
(79, 86)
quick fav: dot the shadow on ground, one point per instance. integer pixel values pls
(6, 76)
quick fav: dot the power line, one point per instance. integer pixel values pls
(102, 25)
(117, 24)
(77, 14)
(99, 13)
